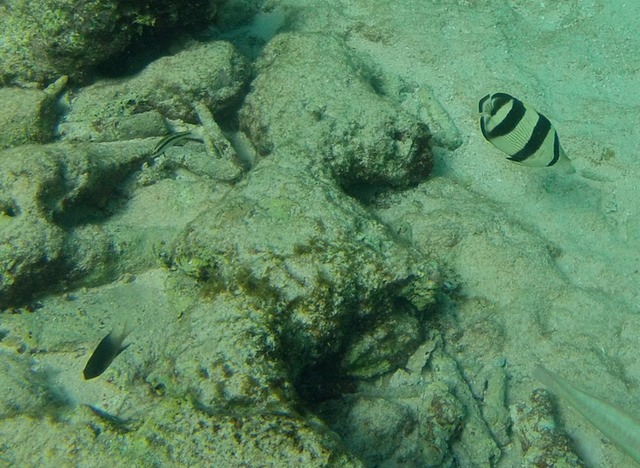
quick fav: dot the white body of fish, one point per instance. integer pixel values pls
(622, 429)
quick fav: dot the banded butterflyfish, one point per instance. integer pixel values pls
(521, 132)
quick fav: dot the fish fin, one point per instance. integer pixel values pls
(119, 338)
(122, 348)
(564, 164)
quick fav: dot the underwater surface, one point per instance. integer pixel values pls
(339, 233)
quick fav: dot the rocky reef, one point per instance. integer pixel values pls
(291, 208)
(269, 285)
(44, 39)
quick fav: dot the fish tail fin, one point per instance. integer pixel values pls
(124, 333)
(564, 164)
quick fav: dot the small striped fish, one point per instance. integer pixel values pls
(172, 140)
(521, 132)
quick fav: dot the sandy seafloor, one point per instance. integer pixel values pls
(580, 314)
(546, 265)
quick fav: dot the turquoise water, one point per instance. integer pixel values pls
(334, 267)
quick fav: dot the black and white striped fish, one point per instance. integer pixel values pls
(520, 131)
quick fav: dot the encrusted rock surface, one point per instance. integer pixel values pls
(213, 74)
(333, 114)
(43, 39)
(272, 279)
(29, 115)
(45, 191)
(314, 257)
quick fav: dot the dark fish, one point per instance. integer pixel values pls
(106, 351)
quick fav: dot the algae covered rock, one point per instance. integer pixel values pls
(409, 418)
(381, 345)
(212, 74)
(209, 388)
(314, 98)
(45, 191)
(28, 115)
(541, 439)
(314, 257)
(172, 434)
(43, 39)
(413, 429)
(274, 277)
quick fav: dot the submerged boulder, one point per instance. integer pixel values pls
(319, 101)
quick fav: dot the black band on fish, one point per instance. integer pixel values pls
(521, 132)
(510, 122)
(556, 151)
(538, 136)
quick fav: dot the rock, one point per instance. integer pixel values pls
(268, 276)
(314, 257)
(41, 40)
(212, 74)
(47, 190)
(374, 428)
(28, 114)
(494, 409)
(540, 440)
(413, 426)
(28, 389)
(323, 106)
(203, 379)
